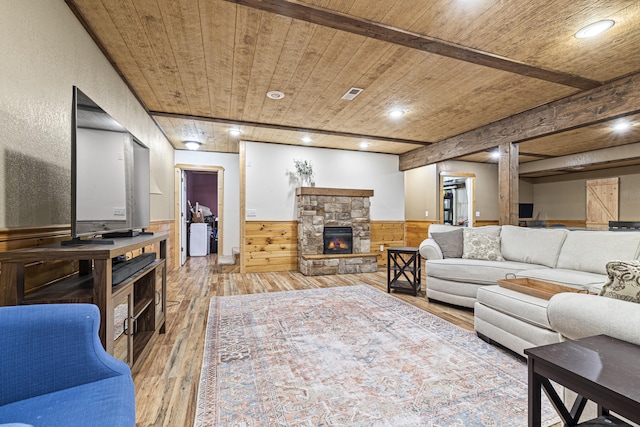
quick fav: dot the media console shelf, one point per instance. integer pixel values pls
(143, 293)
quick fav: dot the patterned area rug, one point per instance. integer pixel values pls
(351, 356)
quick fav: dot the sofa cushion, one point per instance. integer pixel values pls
(577, 279)
(481, 246)
(525, 307)
(441, 228)
(592, 250)
(489, 230)
(624, 281)
(532, 245)
(450, 243)
(109, 402)
(493, 230)
(473, 270)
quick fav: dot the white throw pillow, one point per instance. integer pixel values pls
(624, 281)
(481, 246)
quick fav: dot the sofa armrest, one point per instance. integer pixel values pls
(50, 347)
(429, 249)
(581, 315)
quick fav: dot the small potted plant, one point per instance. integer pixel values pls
(304, 171)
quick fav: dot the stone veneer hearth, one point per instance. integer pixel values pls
(320, 207)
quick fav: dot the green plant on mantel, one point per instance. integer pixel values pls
(304, 171)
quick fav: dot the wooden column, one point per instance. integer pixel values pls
(508, 184)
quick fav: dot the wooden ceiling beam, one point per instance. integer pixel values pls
(362, 27)
(286, 128)
(615, 99)
(581, 160)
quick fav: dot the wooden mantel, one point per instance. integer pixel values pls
(320, 191)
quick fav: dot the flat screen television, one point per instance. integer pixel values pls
(110, 173)
(525, 210)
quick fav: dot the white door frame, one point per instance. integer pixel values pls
(179, 169)
(470, 183)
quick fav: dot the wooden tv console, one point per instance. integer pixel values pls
(143, 293)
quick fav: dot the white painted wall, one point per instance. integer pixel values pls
(271, 190)
(231, 213)
(45, 51)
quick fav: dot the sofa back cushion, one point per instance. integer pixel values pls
(532, 245)
(491, 230)
(441, 228)
(592, 250)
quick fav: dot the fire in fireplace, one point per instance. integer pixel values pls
(338, 240)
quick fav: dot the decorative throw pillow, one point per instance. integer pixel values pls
(481, 246)
(450, 243)
(624, 281)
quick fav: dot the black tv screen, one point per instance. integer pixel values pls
(525, 210)
(109, 173)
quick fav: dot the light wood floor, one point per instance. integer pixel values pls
(167, 380)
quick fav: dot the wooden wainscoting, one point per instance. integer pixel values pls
(570, 223)
(386, 233)
(485, 222)
(166, 226)
(416, 231)
(271, 246)
(39, 274)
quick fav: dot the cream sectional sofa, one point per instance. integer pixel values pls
(575, 258)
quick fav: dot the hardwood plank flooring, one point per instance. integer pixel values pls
(167, 380)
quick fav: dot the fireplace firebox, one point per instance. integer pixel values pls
(338, 240)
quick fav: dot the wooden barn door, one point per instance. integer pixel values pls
(602, 203)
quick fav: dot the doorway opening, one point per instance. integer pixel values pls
(199, 206)
(457, 199)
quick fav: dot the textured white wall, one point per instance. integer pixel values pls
(271, 189)
(45, 51)
(231, 215)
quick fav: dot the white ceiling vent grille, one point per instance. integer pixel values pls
(352, 93)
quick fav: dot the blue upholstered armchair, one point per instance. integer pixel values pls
(55, 372)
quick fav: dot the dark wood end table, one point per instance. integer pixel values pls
(403, 269)
(599, 368)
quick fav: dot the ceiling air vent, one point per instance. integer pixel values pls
(352, 93)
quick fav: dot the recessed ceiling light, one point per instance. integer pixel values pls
(306, 139)
(594, 29)
(495, 154)
(192, 145)
(234, 132)
(275, 94)
(621, 126)
(396, 113)
(364, 144)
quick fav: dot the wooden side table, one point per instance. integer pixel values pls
(599, 368)
(403, 269)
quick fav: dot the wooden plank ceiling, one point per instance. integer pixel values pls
(202, 68)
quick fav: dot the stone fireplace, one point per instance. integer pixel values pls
(343, 214)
